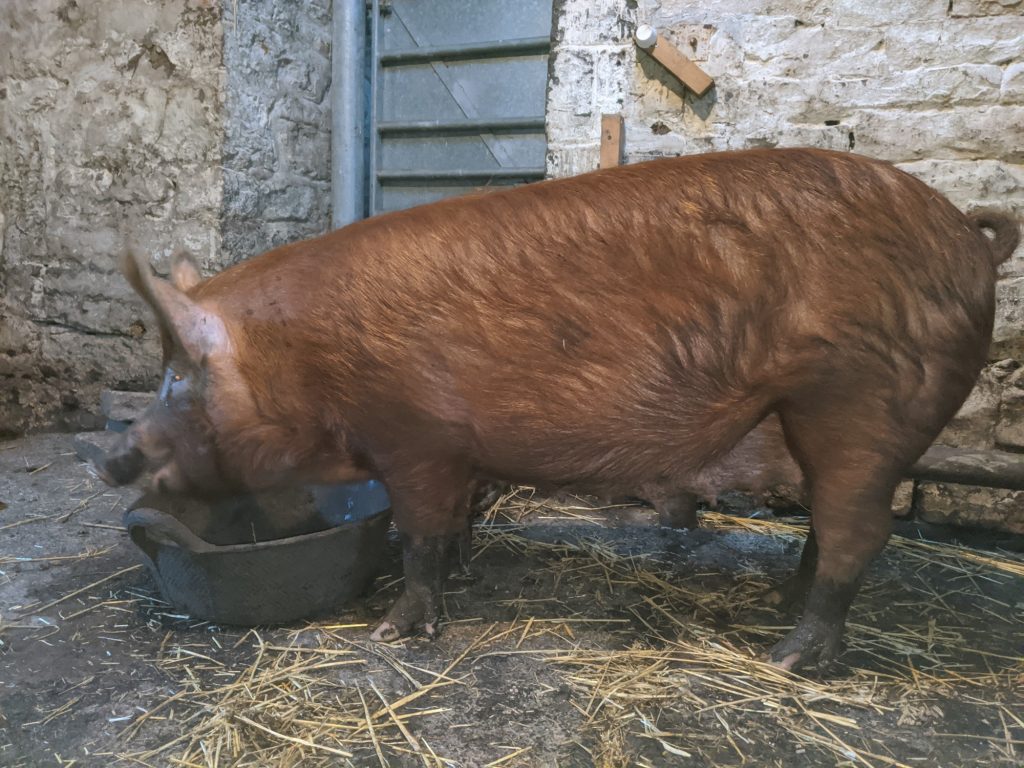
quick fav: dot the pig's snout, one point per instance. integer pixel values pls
(125, 461)
(121, 467)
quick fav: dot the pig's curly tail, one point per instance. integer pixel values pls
(1005, 232)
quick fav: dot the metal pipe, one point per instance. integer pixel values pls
(459, 175)
(348, 113)
(464, 125)
(373, 202)
(524, 46)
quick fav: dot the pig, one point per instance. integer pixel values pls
(657, 326)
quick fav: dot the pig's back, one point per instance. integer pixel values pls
(809, 233)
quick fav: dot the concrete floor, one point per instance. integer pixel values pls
(87, 647)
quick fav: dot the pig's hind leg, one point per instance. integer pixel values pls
(675, 508)
(430, 508)
(853, 470)
(854, 439)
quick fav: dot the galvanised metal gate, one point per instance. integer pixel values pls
(458, 96)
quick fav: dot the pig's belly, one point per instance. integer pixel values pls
(603, 460)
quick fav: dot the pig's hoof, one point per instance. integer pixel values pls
(809, 645)
(678, 519)
(386, 632)
(410, 612)
(789, 663)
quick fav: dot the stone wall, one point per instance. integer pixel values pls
(277, 124)
(174, 123)
(110, 122)
(936, 86)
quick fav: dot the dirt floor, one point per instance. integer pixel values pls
(582, 637)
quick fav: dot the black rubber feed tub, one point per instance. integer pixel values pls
(263, 559)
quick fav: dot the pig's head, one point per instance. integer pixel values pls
(175, 438)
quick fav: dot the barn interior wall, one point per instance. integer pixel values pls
(110, 125)
(166, 124)
(277, 124)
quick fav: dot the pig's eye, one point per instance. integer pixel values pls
(175, 387)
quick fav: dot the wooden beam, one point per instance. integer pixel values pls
(666, 54)
(611, 141)
(965, 466)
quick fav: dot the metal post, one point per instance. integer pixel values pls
(348, 53)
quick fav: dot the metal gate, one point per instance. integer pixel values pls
(458, 96)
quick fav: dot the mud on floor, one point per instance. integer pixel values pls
(582, 637)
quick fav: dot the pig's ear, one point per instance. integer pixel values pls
(184, 271)
(189, 327)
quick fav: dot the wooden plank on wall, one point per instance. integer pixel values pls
(611, 141)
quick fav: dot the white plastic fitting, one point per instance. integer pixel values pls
(646, 36)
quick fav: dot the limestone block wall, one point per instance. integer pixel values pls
(195, 124)
(109, 122)
(277, 124)
(935, 86)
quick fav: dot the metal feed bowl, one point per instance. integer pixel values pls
(263, 559)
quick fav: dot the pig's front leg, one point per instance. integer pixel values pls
(430, 506)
